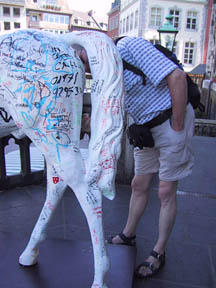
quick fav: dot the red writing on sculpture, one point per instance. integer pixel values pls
(104, 123)
(104, 152)
(55, 179)
(98, 211)
(95, 236)
(50, 206)
(114, 105)
(109, 163)
(19, 125)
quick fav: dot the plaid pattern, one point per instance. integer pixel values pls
(144, 103)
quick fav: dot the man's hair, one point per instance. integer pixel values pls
(77, 47)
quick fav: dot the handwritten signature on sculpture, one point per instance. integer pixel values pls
(40, 90)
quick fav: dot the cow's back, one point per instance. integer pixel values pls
(41, 81)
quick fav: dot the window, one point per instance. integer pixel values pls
(123, 4)
(120, 27)
(103, 25)
(175, 48)
(33, 18)
(78, 21)
(110, 24)
(156, 17)
(127, 24)
(90, 23)
(6, 11)
(192, 20)
(56, 18)
(51, 2)
(7, 26)
(131, 21)
(136, 19)
(154, 41)
(45, 17)
(115, 22)
(16, 12)
(176, 17)
(123, 26)
(189, 52)
(53, 18)
(35, 1)
(56, 31)
(17, 25)
(66, 19)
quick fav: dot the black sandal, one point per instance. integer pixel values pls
(129, 241)
(154, 270)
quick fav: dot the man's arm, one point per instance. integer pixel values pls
(177, 83)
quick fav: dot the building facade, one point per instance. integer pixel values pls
(210, 47)
(144, 17)
(12, 15)
(48, 15)
(113, 20)
(88, 21)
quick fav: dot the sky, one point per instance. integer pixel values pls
(101, 7)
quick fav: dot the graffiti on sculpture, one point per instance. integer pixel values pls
(42, 80)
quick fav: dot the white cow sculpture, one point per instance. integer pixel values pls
(41, 86)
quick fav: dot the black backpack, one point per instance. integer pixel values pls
(193, 89)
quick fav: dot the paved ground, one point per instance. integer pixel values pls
(191, 251)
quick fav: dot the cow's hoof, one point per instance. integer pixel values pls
(99, 286)
(29, 258)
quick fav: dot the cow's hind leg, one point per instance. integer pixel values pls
(55, 190)
(90, 199)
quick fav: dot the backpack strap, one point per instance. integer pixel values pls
(193, 90)
(130, 67)
(170, 55)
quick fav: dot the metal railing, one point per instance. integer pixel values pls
(26, 175)
(205, 127)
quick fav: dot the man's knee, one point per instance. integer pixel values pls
(140, 184)
(167, 191)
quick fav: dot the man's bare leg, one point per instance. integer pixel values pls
(168, 210)
(139, 199)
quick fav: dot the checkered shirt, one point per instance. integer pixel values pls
(144, 103)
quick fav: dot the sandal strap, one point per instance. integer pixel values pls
(147, 265)
(158, 256)
(127, 240)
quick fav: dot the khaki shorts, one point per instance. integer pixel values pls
(172, 155)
